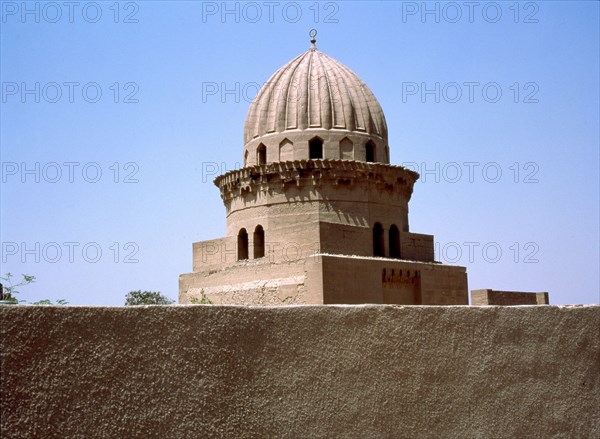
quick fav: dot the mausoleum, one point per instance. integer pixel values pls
(318, 215)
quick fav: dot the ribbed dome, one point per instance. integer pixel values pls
(314, 91)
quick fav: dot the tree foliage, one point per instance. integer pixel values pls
(9, 289)
(203, 300)
(146, 298)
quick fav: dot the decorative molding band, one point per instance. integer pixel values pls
(283, 176)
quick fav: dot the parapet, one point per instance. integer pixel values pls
(507, 298)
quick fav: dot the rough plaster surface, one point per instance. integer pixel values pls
(300, 372)
(258, 292)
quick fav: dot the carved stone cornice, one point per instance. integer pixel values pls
(285, 176)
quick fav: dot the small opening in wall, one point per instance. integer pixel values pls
(315, 147)
(394, 242)
(259, 242)
(370, 151)
(378, 243)
(261, 154)
(242, 245)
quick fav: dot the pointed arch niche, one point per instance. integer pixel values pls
(370, 151)
(261, 155)
(315, 148)
(242, 245)
(286, 151)
(346, 149)
(378, 240)
(259, 242)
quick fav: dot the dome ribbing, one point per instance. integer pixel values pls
(314, 91)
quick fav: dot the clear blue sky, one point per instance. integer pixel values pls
(157, 146)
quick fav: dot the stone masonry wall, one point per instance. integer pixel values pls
(494, 297)
(300, 372)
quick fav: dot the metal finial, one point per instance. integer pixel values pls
(312, 34)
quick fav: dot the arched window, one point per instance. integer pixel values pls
(246, 158)
(242, 245)
(259, 242)
(261, 154)
(315, 148)
(378, 244)
(370, 151)
(394, 242)
(286, 150)
(346, 149)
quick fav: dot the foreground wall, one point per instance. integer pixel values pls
(300, 372)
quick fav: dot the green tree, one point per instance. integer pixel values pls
(146, 298)
(9, 289)
(49, 302)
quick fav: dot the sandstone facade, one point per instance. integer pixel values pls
(494, 297)
(317, 202)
